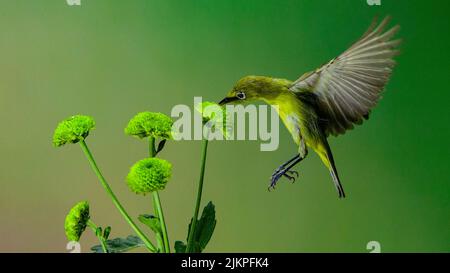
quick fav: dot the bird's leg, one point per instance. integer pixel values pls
(285, 170)
(281, 167)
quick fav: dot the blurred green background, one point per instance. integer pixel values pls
(112, 59)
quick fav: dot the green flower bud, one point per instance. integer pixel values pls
(150, 174)
(147, 124)
(215, 116)
(76, 221)
(73, 130)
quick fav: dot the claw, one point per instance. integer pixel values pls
(291, 178)
(278, 173)
(293, 173)
(274, 179)
(285, 170)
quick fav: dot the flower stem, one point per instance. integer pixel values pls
(151, 147)
(159, 238)
(100, 238)
(116, 202)
(157, 203)
(190, 241)
(162, 221)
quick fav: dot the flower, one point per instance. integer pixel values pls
(76, 221)
(150, 174)
(214, 115)
(73, 130)
(149, 124)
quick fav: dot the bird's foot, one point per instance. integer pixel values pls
(291, 175)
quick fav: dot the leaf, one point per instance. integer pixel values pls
(204, 229)
(106, 232)
(151, 221)
(180, 247)
(205, 226)
(98, 232)
(160, 146)
(118, 245)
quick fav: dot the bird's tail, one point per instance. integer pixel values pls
(325, 154)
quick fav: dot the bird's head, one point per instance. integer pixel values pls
(249, 88)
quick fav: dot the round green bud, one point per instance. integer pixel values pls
(73, 130)
(76, 221)
(209, 110)
(214, 116)
(149, 124)
(148, 175)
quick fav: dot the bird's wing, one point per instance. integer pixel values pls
(349, 86)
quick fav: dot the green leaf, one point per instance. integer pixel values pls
(118, 245)
(98, 232)
(180, 247)
(204, 228)
(106, 232)
(161, 146)
(151, 221)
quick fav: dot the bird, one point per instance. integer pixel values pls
(329, 100)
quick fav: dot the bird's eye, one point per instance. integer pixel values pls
(240, 95)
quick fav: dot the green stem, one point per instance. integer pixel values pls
(151, 147)
(100, 238)
(159, 238)
(199, 197)
(157, 203)
(162, 221)
(116, 202)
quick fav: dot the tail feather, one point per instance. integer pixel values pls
(327, 158)
(337, 182)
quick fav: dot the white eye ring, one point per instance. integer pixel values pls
(240, 95)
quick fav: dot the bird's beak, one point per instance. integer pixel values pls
(227, 100)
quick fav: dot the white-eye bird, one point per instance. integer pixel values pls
(328, 100)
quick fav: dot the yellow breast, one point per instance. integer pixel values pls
(288, 108)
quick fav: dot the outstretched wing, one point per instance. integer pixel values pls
(349, 86)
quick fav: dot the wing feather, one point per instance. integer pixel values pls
(349, 86)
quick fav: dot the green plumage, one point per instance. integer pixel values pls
(328, 100)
